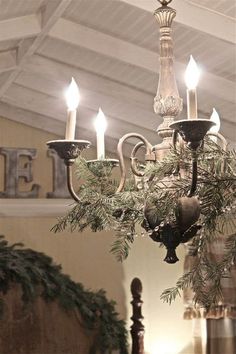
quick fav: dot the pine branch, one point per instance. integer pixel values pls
(124, 238)
(35, 271)
(165, 182)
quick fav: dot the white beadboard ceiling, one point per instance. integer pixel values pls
(111, 48)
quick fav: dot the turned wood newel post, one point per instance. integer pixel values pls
(137, 328)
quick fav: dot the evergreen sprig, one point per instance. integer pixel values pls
(165, 182)
(39, 276)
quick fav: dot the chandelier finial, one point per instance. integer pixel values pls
(164, 2)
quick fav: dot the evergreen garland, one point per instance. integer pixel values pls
(102, 209)
(35, 272)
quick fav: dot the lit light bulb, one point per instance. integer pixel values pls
(192, 74)
(100, 122)
(216, 119)
(100, 126)
(72, 100)
(72, 96)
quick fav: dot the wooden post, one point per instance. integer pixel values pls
(137, 328)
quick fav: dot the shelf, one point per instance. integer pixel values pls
(34, 207)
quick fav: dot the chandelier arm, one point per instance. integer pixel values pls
(70, 183)
(194, 175)
(134, 160)
(194, 165)
(174, 142)
(175, 138)
(121, 157)
(221, 138)
(224, 145)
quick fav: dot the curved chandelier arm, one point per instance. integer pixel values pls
(221, 138)
(175, 138)
(144, 141)
(224, 144)
(194, 175)
(69, 151)
(134, 160)
(70, 183)
(194, 165)
(174, 142)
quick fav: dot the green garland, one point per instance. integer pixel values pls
(34, 270)
(102, 209)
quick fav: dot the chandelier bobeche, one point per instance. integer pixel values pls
(175, 134)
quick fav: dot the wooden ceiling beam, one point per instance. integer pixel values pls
(19, 27)
(7, 61)
(30, 46)
(79, 35)
(198, 17)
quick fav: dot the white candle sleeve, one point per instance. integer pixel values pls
(192, 103)
(70, 125)
(100, 145)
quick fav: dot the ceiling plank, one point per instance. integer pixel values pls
(31, 47)
(79, 35)
(55, 108)
(51, 77)
(25, 113)
(7, 60)
(198, 17)
(124, 109)
(19, 27)
(96, 41)
(45, 105)
(88, 38)
(30, 118)
(61, 73)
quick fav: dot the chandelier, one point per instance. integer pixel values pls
(170, 165)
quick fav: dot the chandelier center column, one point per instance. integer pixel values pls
(167, 102)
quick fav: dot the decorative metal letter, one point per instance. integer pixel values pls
(13, 172)
(60, 189)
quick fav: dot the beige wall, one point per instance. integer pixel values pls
(87, 259)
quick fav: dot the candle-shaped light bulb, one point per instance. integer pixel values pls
(192, 74)
(215, 128)
(72, 95)
(72, 99)
(216, 119)
(100, 126)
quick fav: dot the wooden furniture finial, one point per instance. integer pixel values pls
(137, 328)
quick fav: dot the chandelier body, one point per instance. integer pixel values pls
(190, 133)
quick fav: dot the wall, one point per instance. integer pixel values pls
(86, 256)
